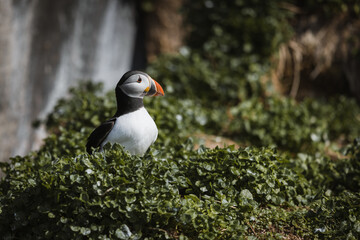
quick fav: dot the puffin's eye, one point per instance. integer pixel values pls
(139, 80)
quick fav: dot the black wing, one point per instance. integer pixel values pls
(99, 134)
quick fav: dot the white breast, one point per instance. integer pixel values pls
(136, 131)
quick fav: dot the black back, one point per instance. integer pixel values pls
(99, 134)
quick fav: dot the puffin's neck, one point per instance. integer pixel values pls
(126, 104)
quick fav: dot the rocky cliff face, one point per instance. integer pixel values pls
(46, 47)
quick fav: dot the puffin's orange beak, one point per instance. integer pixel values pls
(155, 89)
(159, 89)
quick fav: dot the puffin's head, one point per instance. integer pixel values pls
(138, 84)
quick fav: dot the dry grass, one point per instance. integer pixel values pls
(212, 141)
(316, 59)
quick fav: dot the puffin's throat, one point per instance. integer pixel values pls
(126, 104)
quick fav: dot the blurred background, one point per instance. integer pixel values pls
(298, 49)
(47, 46)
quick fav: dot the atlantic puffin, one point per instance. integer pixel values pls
(131, 126)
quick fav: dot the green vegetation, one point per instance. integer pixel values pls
(299, 177)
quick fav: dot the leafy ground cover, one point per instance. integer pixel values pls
(175, 191)
(298, 177)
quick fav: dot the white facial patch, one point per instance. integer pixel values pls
(136, 86)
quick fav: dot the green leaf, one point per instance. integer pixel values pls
(123, 232)
(245, 193)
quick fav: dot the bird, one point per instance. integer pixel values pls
(131, 126)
